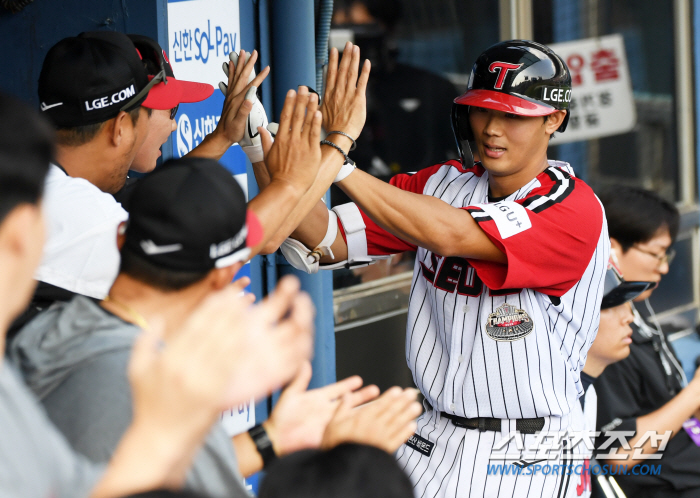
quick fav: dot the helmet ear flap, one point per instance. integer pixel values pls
(462, 131)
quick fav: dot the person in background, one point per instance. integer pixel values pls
(648, 391)
(611, 344)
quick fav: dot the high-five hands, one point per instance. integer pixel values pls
(295, 156)
(225, 353)
(344, 103)
(240, 95)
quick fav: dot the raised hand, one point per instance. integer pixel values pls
(240, 95)
(300, 417)
(225, 353)
(295, 156)
(344, 103)
(386, 423)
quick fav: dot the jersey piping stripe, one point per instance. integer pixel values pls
(457, 453)
(476, 455)
(444, 454)
(427, 464)
(563, 186)
(563, 487)
(585, 306)
(459, 472)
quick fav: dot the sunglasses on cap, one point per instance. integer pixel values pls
(158, 78)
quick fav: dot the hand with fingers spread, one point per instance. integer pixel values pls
(295, 156)
(241, 100)
(225, 353)
(251, 142)
(344, 104)
(300, 417)
(386, 423)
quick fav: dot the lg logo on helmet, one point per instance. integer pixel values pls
(502, 68)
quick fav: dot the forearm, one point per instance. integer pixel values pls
(272, 206)
(669, 417)
(214, 146)
(249, 460)
(420, 219)
(307, 221)
(148, 459)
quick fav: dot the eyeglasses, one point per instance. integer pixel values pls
(666, 257)
(158, 78)
(173, 111)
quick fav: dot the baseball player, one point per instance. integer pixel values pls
(505, 298)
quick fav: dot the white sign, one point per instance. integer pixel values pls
(239, 419)
(201, 33)
(601, 103)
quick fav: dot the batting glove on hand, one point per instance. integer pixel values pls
(251, 142)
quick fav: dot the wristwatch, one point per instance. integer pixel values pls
(263, 444)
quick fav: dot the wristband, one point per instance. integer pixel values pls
(345, 170)
(263, 444)
(336, 147)
(354, 144)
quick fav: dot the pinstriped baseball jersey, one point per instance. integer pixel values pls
(505, 341)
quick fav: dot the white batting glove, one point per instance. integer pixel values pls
(251, 142)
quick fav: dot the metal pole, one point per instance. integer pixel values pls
(294, 64)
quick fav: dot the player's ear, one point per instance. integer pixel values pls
(616, 248)
(554, 121)
(221, 277)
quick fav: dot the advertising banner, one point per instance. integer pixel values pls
(602, 103)
(201, 33)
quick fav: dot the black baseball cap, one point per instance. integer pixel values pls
(90, 78)
(617, 291)
(191, 215)
(171, 92)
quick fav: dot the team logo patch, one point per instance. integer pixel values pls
(420, 444)
(508, 323)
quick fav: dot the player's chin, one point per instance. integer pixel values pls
(622, 352)
(496, 167)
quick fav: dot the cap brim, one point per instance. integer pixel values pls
(176, 92)
(255, 229)
(499, 101)
(254, 237)
(626, 291)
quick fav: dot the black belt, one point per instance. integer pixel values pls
(522, 425)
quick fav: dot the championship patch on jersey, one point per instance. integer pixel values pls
(508, 323)
(510, 217)
(420, 444)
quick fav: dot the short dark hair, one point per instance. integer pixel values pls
(164, 279)
(80, 135)
(636, 215)
(346, 471)
(26, 149)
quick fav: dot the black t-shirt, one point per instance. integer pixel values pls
(586, 381)
(634, 387)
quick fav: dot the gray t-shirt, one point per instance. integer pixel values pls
(35, 459)
(74, 356)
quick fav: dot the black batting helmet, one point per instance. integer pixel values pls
(518, 77)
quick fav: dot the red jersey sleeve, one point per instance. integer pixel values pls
(548, 237)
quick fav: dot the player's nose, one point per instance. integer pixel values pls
(493, 125)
